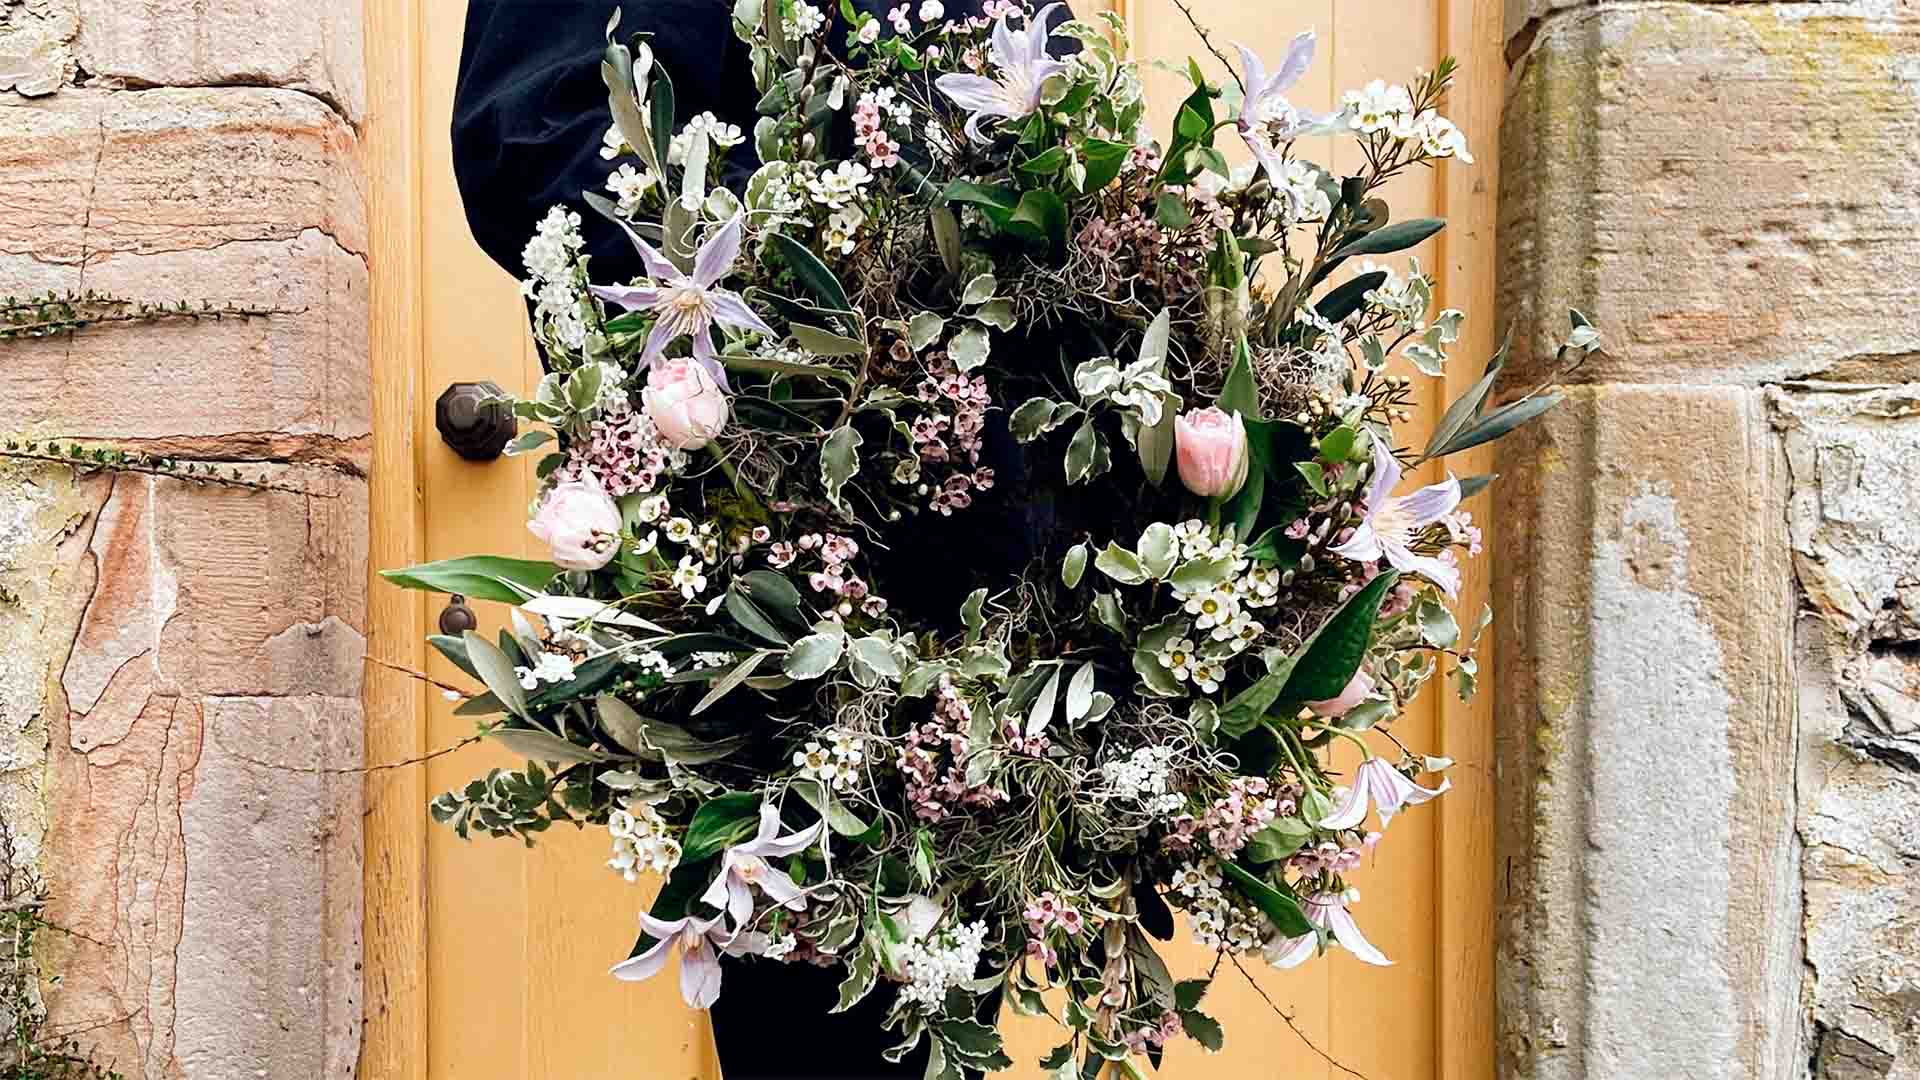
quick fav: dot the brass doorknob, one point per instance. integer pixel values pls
(475, 420)
(457, 618)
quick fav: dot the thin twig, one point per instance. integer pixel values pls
(1288, 1020)
(384, 766)
(1208, 42)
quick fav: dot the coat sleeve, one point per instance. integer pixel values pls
(530, 109)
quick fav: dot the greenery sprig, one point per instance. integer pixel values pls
(47, 314)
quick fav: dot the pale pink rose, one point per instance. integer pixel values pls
(1210, 447)
(580, 523)
(688, 408)
(1356, 692)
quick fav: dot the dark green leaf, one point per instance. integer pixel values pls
(1171, 211)
(455, 650)
(661, 105)
(1104, 160)
(1042, 217)
(812, 274)
(1203, 1029)
(1500, 422)
(719, 823)
(1474, 485)
(477, 577)
(1240, 394)
(1280, 908)
(1333, 651)
(1347, 298)
(1188, 993)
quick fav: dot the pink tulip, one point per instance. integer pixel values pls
(580, 523)
(1356, 692)
(688, 408)
(1210, 447)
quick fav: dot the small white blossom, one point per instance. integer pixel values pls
(680, 530)
(1377, 107)
(932, 11)
(688, 578)
(839, 186)
(629, 185)
(807, 19)
(1179, 657)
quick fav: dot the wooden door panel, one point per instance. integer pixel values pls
(489, 960)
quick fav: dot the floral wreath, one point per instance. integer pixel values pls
(967, 306)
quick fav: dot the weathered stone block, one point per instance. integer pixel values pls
(205, 590)
(208, 864)
(1854, 455)
(1724, 187)
(36, 45)
(1646, 742)
(247, 197)
(298, 44)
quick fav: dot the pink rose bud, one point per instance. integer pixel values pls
(1356, 692)
(1210, 447)
(688, 408)
(580, 523)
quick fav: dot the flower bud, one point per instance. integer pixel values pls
(580, 523)
(687, 407)
(1356, 692)
(1210, 447)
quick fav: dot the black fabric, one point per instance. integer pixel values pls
(772, 1023)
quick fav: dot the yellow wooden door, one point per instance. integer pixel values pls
(487, 960)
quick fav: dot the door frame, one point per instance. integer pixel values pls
(394, 1041)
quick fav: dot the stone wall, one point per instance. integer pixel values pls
(184, 661)
(1709, 668)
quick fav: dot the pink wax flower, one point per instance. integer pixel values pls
(1210, 447)
(688, 408)
(580, 523)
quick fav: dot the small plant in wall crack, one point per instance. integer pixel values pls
(33, 1049)
(39, 315)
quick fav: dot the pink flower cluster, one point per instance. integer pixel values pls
(953, 440)
(1460, 526)
(621, 449)
(870, 130)
(1044, 912)
(835, 576)
(1328, 857)
(933, 790)
(1141, 1040)
(1248, 807)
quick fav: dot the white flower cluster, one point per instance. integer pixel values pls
(551, 283)
(548, 667)
(1216, 922)
(940, 962)
(1146, 775)
(642, 842)
(1379, 106)
(629, 185)
(1223, 621)
(722, 135)
(843, 184)
(807, 19)
(835, 763)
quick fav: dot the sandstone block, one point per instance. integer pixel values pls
(246, 197)
(297, 44)
(209, 866)
(1646, 747)
(1724, 187)
(206, 590)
